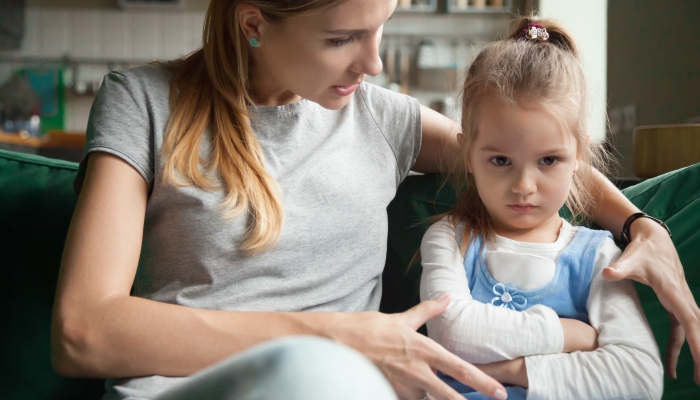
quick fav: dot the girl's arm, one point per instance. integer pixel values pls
(481, 333)
(650, 258)
(99, 330)
(625, 366)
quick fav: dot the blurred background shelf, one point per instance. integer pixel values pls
(479, 6)
(425, 6)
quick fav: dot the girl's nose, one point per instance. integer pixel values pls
(524, 183)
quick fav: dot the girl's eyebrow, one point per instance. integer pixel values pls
(489, 148)
(556, 150)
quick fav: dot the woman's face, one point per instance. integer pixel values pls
(320, 57)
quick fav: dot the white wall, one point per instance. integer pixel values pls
(124, 36)
(588, 22)
(112, 34)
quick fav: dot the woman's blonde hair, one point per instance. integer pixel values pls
(209, 89)
(521, 71)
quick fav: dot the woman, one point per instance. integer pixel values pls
(250, 181)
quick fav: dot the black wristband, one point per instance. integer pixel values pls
(626, 237)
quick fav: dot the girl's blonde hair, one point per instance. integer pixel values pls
(521, 71)
(209, 89)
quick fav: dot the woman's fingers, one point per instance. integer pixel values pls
(685, 313)
(432, 356)
(652, 259)
(439, 390)
(450, 364)
(630, 265)
(673, 348)
(418, 315)
(688, 316)
(406, 392)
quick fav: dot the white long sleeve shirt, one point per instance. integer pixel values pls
(625, 366)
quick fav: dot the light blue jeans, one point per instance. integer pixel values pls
(294, 368)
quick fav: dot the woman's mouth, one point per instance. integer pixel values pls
(344, 90)
(522, 208)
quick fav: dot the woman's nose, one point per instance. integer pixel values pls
(368, 61)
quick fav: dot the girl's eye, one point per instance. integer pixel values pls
(342, 42)
(500, 161)
(548, 160)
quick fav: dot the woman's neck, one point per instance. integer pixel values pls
(265, 92)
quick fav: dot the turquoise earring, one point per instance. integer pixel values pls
(254, 42)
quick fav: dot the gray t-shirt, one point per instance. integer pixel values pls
(338, 171)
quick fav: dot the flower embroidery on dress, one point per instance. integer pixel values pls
(507, 297)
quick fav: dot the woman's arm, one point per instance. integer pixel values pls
(438, 143)
(99, 330)
(651, 259)
(481, 333)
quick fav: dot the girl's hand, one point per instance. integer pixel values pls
(578, 336)
(512, 372)
(651, 259)
(408, 359)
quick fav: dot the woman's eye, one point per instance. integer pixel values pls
(548, 160)
(342, 42)
(500, 160)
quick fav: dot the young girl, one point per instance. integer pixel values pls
(504, 249)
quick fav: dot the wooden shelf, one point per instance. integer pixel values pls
(52, 139)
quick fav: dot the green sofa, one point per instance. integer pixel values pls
(37, 201)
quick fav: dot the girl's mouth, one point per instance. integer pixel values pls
(522, 208)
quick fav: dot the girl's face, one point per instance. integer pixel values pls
(523, 161)
(320, 57)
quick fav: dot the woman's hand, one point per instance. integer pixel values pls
(651, 259)
(512, 372)
(408, 359)
(578, 336)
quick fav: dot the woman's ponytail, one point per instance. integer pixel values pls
(209, 89)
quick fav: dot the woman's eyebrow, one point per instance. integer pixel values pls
(347, 31)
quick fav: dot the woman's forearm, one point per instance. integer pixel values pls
(611, 206)
(130, 336)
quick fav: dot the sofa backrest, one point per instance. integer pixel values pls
(37, 202)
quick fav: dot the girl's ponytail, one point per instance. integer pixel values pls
(557, 34)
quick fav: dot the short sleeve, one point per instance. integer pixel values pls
(398, 118)
(122, 119)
